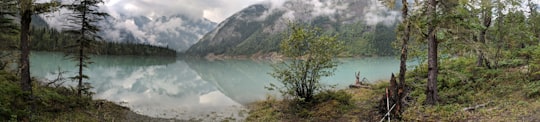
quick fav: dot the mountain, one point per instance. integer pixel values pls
(365, 26)
(175, 31)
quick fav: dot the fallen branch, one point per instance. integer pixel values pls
(475, 107)
(359, 86)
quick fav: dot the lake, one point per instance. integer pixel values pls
(192, 88)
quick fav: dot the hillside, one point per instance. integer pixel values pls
(258, 29)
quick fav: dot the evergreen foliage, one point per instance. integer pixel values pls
(7, 22)
(49, 39)
(83, 26)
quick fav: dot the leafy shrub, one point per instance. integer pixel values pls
(300, 77)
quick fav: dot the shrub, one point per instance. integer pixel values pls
(300, 77)
(533, 89)
(10, 98)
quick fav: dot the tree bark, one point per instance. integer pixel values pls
(82, 43)
(500, 37)
(403, 60)
(433, 70)
(24, 64)
(81, 63)
(486, 16)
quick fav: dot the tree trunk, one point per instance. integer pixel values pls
(81, 63)
(431, 91)
(500, 38)
(24, 64)
(403, 60)
(486, 16)
(82, 44)
(481, 59)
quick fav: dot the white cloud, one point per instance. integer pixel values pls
(377, 13)
(214, 10)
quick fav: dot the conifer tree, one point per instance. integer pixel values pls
(83, 26)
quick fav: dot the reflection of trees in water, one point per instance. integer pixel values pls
(128, 74)
(151, 86)
(132, 60)
(52, 60)
(241, 80)
(244, 80)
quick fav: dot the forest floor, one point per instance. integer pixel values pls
(365, 108)
(466, 93)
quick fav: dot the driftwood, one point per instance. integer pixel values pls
(358, 83)
(359, 86)
(475, 107)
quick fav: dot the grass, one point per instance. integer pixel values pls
(58, 104)
(507, 93)
(339, 105)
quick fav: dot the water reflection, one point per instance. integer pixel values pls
(185, 89)
(151, 87)
(241, 80)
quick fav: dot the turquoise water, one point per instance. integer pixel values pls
(189, 88)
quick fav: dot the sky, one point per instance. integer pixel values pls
(214, 10)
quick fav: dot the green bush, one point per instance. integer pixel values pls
(534, 65)
(533, 89)
(48, 101)
(10, 98)
(301, 77)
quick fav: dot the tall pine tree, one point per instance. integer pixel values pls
(433, 69)
(27, 8)
(83, 26)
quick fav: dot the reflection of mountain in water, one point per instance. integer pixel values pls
(241, 80)
(244, 80)
(192, 88)
(179, 81)
(129, 73)
(149, 85)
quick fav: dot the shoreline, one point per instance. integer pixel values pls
(273, 56)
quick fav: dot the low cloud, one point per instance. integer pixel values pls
(378, 13)
(143, 19)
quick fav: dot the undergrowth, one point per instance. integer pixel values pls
(471, 93)
(340, 105)
(509, 92)
(57, 103)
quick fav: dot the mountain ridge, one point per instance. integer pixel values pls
(174, 31)
(260, 28)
